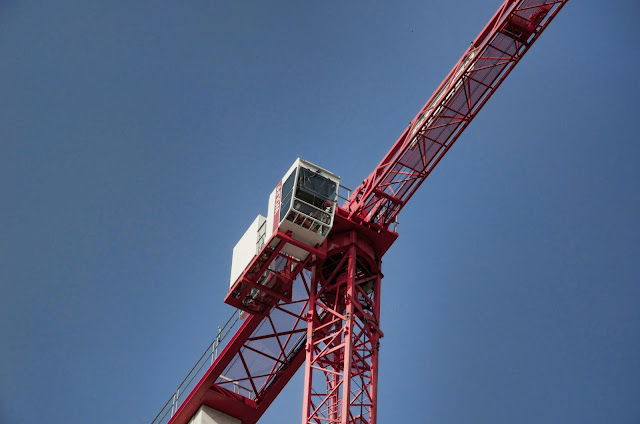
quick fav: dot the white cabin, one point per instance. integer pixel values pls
(302, 204)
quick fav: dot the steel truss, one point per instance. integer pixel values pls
(256, 363)
(341, 368)
(472, 81)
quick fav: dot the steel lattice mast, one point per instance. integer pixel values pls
(343, 334)
(324, 311)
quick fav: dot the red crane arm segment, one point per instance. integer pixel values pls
(256, 364)
(481, 69)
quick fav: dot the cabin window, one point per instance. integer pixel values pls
(287, 193)
(314, 189)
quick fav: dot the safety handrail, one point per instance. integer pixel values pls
(342, 189)
(211, 353)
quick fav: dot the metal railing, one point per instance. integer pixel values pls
(207, 359)
(344, 193)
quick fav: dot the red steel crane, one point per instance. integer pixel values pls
(308, 275)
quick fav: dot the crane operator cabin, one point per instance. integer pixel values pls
(302, 206)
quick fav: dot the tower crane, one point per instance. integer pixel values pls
(307, 276)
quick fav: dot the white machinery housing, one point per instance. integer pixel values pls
(247, 247)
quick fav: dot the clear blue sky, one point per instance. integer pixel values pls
(140, 139)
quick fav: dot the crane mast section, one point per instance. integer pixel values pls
(468, 86)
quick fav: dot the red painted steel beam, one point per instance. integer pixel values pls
(342, 336)
(233, 406)
(275, 345)
(472, 81)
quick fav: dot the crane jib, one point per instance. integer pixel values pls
(454, 104)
